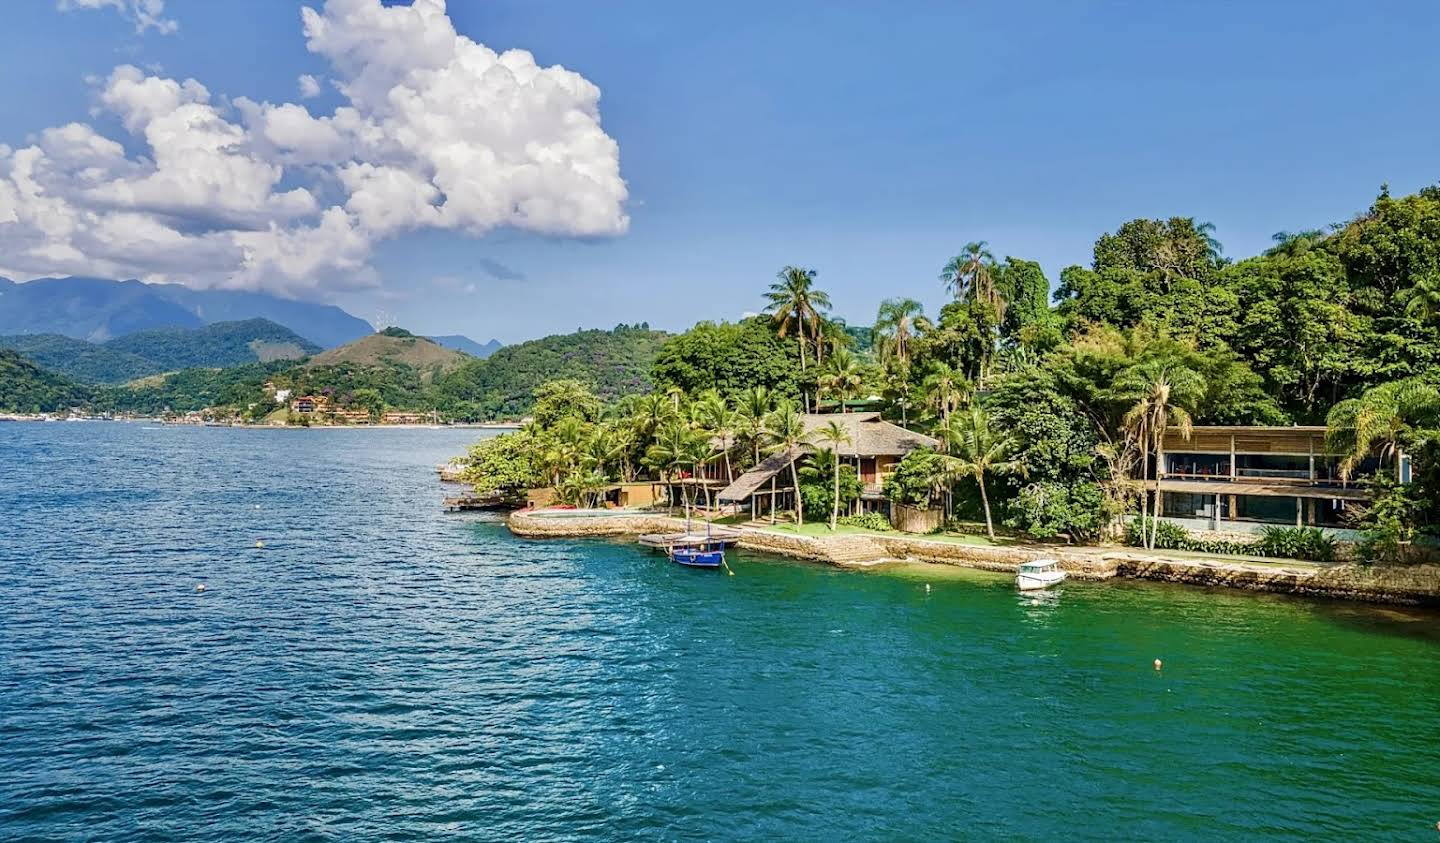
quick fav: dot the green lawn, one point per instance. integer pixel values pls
(822, 528)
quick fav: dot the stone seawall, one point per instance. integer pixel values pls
(1413, 585)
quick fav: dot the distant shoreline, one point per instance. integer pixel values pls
(456, 426)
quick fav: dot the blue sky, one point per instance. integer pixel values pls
(867, 141)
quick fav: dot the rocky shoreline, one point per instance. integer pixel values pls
(1409, 585)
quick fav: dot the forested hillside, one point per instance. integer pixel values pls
(614, 363)
(150, 352)
(27, 388)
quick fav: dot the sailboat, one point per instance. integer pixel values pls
(694, 551)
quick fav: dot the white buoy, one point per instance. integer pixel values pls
(259, 543)
(1158, 664)
(927, 588)
(200, 587)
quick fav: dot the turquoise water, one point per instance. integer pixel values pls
(381, 669)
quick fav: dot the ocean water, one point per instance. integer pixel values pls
(382, 670)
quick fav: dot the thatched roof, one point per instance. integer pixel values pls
(748, 483)
(868, 435)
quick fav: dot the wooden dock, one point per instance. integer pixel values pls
(665, 541)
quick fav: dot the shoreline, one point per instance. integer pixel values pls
(1414, 585)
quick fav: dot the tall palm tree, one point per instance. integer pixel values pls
(835, 435)
(1213, 248)
(896, 324)
(785, 428)
(944, 388)
(1162, 393)
(970, 275)
(796, 306)
(754, 405)
(712, 414)
(1380, 420)
(1422, 301)
(977, 450)
(672, 452)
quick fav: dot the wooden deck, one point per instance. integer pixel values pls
(665, 541)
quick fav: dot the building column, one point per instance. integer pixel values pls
(1299, 512)
(1218, 517)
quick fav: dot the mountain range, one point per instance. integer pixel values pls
(97, 310)
(150, 352)
(469, 346)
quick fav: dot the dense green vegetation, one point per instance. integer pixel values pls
(26, 388)
(144, 353)
(1049, 413)
(613, 363)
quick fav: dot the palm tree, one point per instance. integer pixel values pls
(785, 428)
(755, 403)
(834, 434)
(979, 450)
(1422, 301)
(1162, 392)
(1381, 420)
(970, 275)
(673, 452)
(712, 414)
(795, 305)
(896, 324)
(842, 376)
(1213, 249)
(944, 388)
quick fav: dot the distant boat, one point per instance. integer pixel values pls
(698, 554)
(1042, 573)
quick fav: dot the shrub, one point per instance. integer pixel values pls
(867, 521)
(1296, 543)
(1282, 542)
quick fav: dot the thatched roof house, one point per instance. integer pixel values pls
(874, 447)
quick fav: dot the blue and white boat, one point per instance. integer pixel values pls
(698, 554)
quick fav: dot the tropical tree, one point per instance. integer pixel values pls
(1422, 301)
(674, 451)
(785, 428)
(896, 324)
(712, 414)
(1381, 421)
(970, 276)
(755, 404)
(842, 378)
(977, 449)
(834, 434)
(944, 388)
(796, 306)
(1163, 394)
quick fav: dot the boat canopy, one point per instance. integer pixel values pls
(1039, 565)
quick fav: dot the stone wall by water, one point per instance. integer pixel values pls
(1414, 584)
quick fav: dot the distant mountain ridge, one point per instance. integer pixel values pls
(469, 346)
(98, 309)
(142, 353)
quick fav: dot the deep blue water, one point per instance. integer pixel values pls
(382, 670)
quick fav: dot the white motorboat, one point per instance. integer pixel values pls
(1042, 573)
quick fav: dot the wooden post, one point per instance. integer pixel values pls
(1232, 456)
(1299, 513)
(1312, 460)
(772, 499)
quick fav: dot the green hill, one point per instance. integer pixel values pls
(614, 363)
(86, 362)
(27, 388)
(393, 347)
(151, 352)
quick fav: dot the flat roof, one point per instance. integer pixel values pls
(1268, 490)
(1253, 428)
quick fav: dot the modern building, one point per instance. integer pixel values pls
(1241, 479)
(875, 447)
(306, 404)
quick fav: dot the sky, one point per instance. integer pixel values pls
(513, 169)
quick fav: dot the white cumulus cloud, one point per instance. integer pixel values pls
(438, 131)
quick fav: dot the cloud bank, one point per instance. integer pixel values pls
(438, 131)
